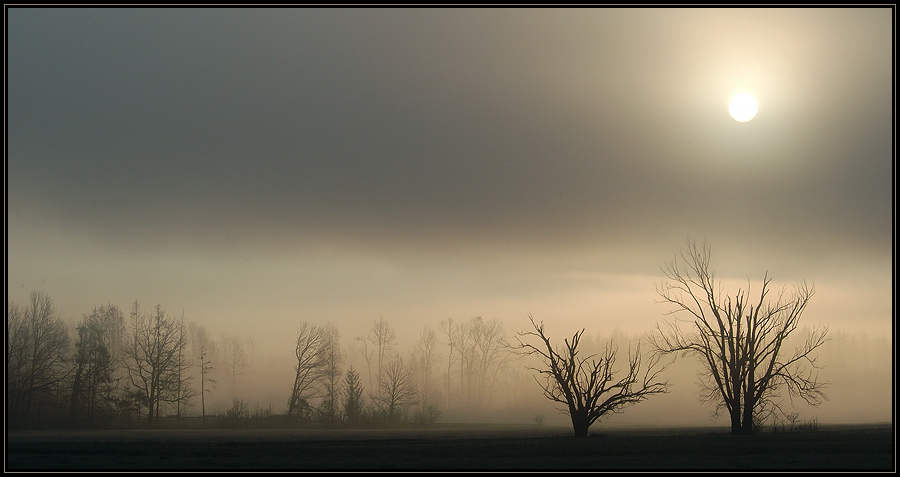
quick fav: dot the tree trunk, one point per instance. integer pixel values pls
(150, 403)
(76, 391)
(580, 425)
(750, 394)
(747, 427)
(737, 399)
(735, 420)
(202, 403)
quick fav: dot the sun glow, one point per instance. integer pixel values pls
(743, 107)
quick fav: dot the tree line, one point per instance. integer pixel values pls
(111, 371)
(106, 369)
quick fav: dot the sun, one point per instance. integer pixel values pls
(743, 107)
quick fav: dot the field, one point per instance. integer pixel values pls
(450, 447)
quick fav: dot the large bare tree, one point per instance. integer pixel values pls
(587, 385)
(154, 361)
(740, 340)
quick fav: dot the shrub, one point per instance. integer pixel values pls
(238, 411)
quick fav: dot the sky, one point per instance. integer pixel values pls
(255, 168)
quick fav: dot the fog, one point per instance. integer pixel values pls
(253, 169)
(856, 366)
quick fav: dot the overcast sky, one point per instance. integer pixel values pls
(255, 168)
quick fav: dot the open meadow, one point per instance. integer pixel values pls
(453, 447)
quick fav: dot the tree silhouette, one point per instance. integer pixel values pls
(740, 343)
(480, 350)
(382, 338)
(98, 342)
(37, 346)
(332, 361)
(205, 349)
(310, 368)
(424, 357)
(237, 354)
(587, 384)
(153, 359)
(397, 390)
(354, 406)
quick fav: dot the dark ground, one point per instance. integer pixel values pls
(848, 448)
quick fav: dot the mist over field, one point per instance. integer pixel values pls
(856, 367)
(861, 389)
(404, 187)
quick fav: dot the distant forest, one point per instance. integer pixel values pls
(151, 368)
(109, 370)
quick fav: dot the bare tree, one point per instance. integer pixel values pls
(16, 359)
(310, 369)
(177, 388)
(448, 329)
(381, 339)
(587, 385)
(153, 359)
(237, 355)
(332, 362)
(481, 351)
(423, 364)
(183, 390)
(492, 352)
(465, 349)
(398, 391)
(367, 355)
(205, 349)
(37, 347)
(740, 342)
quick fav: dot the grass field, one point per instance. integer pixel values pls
(449, 447)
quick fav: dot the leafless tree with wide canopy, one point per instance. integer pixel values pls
(587, 384)
(740, 341)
